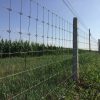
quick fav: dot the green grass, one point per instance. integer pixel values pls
(48, 77)
(46, 71)
(88, 87)
(90, 76)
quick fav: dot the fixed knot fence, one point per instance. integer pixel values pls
(39, 51)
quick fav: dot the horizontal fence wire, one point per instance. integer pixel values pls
(35, 51)
(88, 63)
(86, 41)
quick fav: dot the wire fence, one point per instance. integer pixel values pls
(35, 63)
(36, 52)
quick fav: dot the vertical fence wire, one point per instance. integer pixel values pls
(36, 55)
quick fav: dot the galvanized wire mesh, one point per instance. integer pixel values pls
(36, 47)
(89, 62)
(35, 52)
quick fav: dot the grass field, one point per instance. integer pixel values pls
(46, 71)
(90, 77)
(48, 77)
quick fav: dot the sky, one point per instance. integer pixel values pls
(88, 11)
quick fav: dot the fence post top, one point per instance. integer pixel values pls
(75, 18)
(99, 40)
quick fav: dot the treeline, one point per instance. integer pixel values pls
(22, 48)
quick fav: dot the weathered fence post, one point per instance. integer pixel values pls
(75, 67)
(89, 40)
(99, 45)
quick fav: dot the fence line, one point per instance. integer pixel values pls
(37, 47)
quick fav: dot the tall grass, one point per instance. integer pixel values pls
(46, 74)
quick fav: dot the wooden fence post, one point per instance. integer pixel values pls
(89, 40)
(99, 45)
(75, 67)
